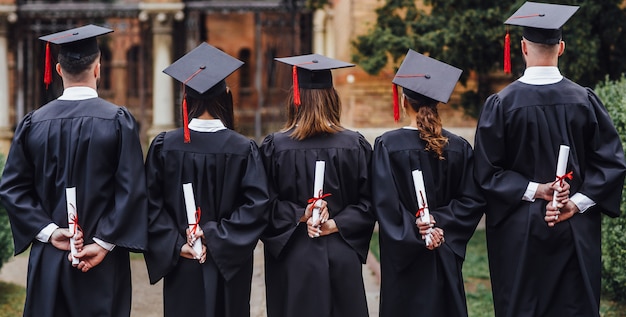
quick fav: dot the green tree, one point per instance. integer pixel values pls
(469, 34)
(613, 94)
(6, 242)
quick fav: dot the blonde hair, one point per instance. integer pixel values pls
(319, 112)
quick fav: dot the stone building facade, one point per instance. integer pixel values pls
(151, 34)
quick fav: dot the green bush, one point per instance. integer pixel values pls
(613, 94)
(6, 242)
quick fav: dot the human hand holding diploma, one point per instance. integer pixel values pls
(194, 232)
(423, 214)
(317, 207)
(560, 190)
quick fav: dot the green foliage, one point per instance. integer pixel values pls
(475, 265)
(469, 34)
(613, 94)
(11, 300)
(6, 241)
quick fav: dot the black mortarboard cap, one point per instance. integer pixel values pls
(312, 71)
(421, 75)
(203, 70)
(542, 22)
(78, 42)
(74, 43)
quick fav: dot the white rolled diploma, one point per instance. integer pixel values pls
(561, 167)
(70, 199)
(418, 182)
(318, 187)
(190, 206)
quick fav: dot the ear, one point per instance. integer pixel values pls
(59, 70)
(561, 47)
(96, 70)
(524, 47)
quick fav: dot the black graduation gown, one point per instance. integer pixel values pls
(230, 187)
(417, 281)
(321, 276)
(93, 145)
(537, 270)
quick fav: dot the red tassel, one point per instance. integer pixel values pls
(296, 87)
(47, 71)
(185, 119)
(396, 106)
(507, 53)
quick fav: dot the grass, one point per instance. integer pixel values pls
(11, 300)
(477, 284)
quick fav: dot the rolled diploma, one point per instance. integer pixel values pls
(190, 206)
(561, 166)
(318, 187)
(418, 182)
(70, 199)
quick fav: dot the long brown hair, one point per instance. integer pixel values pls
(429, 124)
(319, 112)
(219, 107)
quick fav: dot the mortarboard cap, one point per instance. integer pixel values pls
(421, 75)
(203, 71)
(74, 43)
(542, 22)
(311, 71)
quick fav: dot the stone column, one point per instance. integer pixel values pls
(319, 32)
(7, 13)
(162, 17)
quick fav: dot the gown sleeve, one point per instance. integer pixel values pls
(232, 240)
(284, 215)
(25, 210)
(126, 225)
(604, 173)
(164, 239)
(355, 221)
(503, 188)
(460, 216)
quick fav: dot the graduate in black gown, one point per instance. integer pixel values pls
(230, 190)
(545, 262)
(315, 269)
(419, 279)
(81, 141)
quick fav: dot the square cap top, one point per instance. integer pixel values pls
(420, 74)
(77, 42)
(203, 68)
(542, 22)
(313, 70)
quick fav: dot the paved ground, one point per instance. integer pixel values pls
(147, 298)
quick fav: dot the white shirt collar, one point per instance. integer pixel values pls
(78, 93)
(408, 127)
(541, 75)
(203, 125)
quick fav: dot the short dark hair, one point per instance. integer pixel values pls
(219, 107)
(74, 66)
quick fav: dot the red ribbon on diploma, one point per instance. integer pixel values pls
(320, 196)
(74, 220)
(420, 211)
(195, 225)
(562, 178)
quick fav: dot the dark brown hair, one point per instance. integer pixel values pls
(219, 107)
(319, 112)
(76, 69)
(429, 124)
